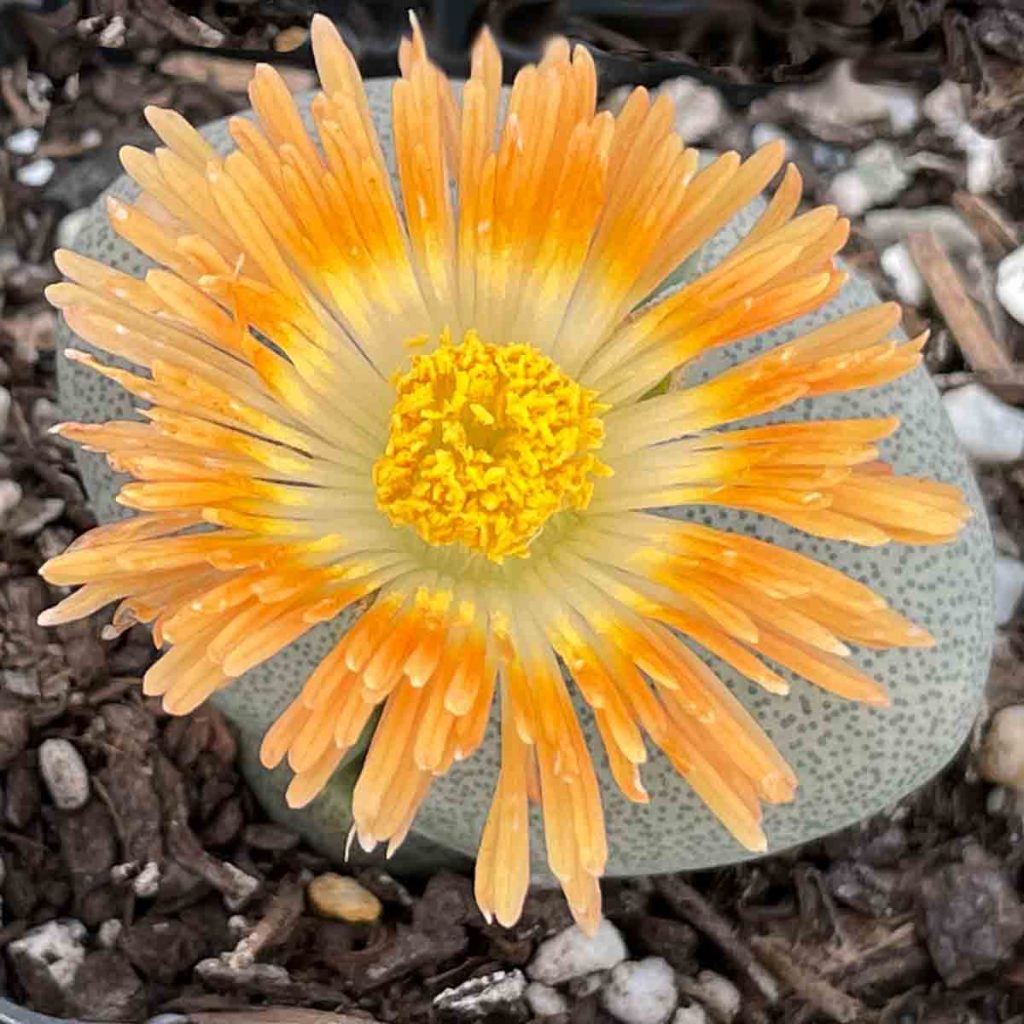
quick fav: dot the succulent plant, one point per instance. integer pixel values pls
(397, 464)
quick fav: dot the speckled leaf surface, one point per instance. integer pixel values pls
(851, 760)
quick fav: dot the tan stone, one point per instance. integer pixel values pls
(343, 898)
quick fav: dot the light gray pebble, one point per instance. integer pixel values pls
(719, 995)
(10, 497)
(109, 932)
(56, 947)
(37, 173)
(147, 881)
(64, 773)
(641, 991)
(22, 143)
(544, 1000)
(572, 953)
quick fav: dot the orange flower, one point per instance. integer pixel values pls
(445, 406)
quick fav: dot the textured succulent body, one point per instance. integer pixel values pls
(444, 408)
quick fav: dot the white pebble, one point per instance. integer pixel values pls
(37, 173)
(1010, 284)
(1002, 751)
(147, 881)
(70, 225)
(832, 105)
(64, 773)
(719, 995)
(545, 1001)
(1009, 588)
(56, 946)
(692, 1014)
(572, 953)
(700, 110)
(24, 142)
(987, 165)
(641, 991)
(878, 175)
(900, 268)
(109, 932)
(988, 428)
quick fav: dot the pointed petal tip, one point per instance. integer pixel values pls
(49, 616)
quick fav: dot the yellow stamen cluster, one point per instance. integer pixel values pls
(487, 442)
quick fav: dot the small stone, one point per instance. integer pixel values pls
(883, 227)
(1008, 576)
(109, 932)
(13, 734)
(22, 143)
(545, 1001)
(37, 173)
(973, 918)
(840, 109)
(146, 883)
(572, 953)
(162, 948)
(1010, 284)
(988, 428)
(1002, 751)
(10, 497)
(106, 988)
(44, 415)
(700, 110)
(70, 225)
(641, 991)
(878, 176)
(900, 268)
(33, 514)
(342, 898)
(692, 1014)
(987, 166)
(22, 682)
(720, 996)
(479, 998)
(764, 132)
(46, 959)
(64, 774)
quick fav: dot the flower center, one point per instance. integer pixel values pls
(487, 442)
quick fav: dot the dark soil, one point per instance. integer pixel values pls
(192, 903)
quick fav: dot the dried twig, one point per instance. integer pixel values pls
(273, 928)
(688, 904)
(232, 882)
(276, 1015)
(981, 350)
(814, 989)
(998, 234)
